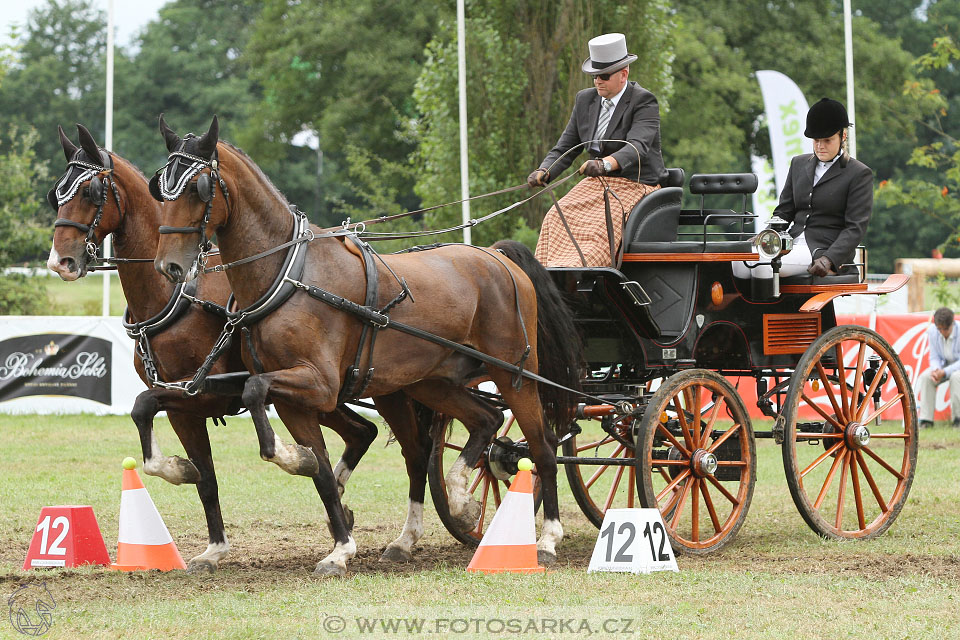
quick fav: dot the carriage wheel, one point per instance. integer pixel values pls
(850, 448)
(696, 460)
(597, 488)
(483, 485)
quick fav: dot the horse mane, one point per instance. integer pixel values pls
(117, 158)
(256, 169)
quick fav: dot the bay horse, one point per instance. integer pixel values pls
(102, 193)
(466, 295)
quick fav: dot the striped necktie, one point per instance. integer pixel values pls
(604, 120)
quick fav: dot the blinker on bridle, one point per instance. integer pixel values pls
(168, 186)
(95, 191)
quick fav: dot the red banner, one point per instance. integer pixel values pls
(906, 333)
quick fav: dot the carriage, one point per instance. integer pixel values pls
(673, 341)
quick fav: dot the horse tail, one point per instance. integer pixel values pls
(559, 347)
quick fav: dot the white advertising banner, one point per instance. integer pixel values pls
(786, 111)
(66, 364)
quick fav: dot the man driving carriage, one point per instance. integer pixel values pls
(618, 122)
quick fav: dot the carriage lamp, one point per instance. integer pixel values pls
(768, 243)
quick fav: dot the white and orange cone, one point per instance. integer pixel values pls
(143, 542)
(510, 543)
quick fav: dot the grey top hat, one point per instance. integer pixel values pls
(608, 53)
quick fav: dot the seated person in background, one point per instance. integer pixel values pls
(943, 337)
(828, 196)
(614, 111)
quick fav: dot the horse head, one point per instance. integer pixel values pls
(188, 186)
(87, 202)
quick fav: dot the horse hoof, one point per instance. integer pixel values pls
(307, 464)
(396, 554)
(186, 471)
(545, 558)
(470, 516)
(329, 570)
(202, 565)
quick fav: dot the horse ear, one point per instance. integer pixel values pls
(207, 143)
(88, 144)
(171, 139)
(68, 147)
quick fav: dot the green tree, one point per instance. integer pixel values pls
(346, 72)
(930, 192)
(523, 72)
(22, 235)
(189, 66)
(56, 76)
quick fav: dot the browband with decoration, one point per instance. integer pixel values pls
(78, 172)
(181, 167)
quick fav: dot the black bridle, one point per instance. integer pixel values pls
(186, 165)
(95, 191)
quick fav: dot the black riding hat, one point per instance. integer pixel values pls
(826, 118)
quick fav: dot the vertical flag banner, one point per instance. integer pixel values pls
(786, 111)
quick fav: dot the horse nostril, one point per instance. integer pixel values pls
(175, 272)
(69, 264)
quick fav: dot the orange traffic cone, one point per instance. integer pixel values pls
(510, 543)
(143, 542)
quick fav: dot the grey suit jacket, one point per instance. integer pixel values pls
(835, 212)
(636, 119)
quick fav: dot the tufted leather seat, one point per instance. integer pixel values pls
(656, 216)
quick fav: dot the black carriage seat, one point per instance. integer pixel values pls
(657, 232)
(656, 216)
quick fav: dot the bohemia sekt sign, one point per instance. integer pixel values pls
(55, 364)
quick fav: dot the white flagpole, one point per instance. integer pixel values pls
(851, 107)
(108, 145)
(462, 82)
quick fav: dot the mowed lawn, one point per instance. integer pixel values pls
(776, 580)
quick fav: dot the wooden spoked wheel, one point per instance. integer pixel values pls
(483, 485)
(597, 488)
(850, 434)
(696, 460)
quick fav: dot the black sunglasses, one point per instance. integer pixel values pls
(606, 76)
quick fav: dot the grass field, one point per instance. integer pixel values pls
(776, 580)
(83, 297)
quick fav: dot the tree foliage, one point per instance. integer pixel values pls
(24, 221)
(523, 72)
(345, 71)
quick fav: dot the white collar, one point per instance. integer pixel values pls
(616, 99)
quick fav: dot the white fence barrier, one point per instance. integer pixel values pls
(66, 364)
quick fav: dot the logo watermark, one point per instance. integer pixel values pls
(482, 626)
(30, 609)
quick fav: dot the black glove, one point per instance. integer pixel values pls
(538, 178)
(593, 168)
(821, 267)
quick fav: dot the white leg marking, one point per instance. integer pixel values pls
(212, 556)
(550, 536)
(412, 529)
(286, 456)
(342, 473)
(456, 481)
(338, 558)
(173, 469)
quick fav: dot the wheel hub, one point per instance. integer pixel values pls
(857, 435)
(703, 463)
